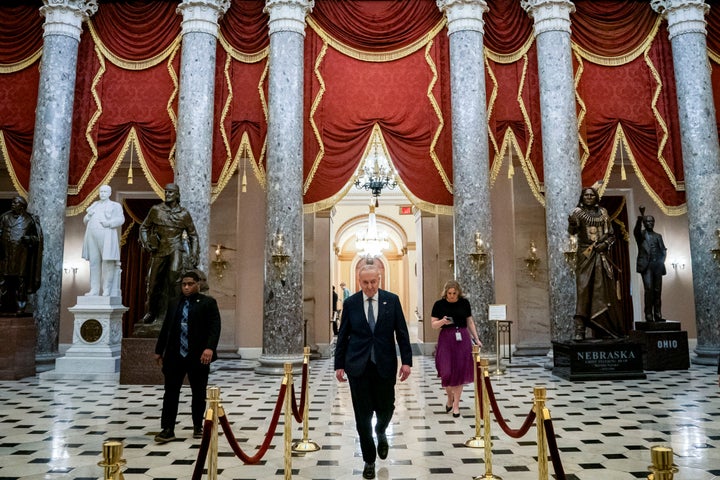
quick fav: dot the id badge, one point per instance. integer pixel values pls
(458, 336)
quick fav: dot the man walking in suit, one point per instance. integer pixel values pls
(372, 320)
(186, 346)
(650, 264)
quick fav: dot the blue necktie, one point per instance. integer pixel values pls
(371, 322)
(184, 329)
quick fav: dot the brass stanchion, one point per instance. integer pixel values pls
(540, 395)
(486, 425)
(477, 440)
(498, 370)
(112, 460)
(662, 467)
(288, 381)
(306, 445)
(213, 401)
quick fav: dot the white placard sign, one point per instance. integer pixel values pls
(497, 312)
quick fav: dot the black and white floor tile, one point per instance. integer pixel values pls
(604, 430)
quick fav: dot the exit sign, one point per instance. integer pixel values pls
(405, 209)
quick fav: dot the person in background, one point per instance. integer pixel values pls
(453, 359)
(345, 291)
(333, 318)
(186, 346)
(372, 320)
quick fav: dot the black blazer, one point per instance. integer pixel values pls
(644, 259)
(352, 352)
(203, 328)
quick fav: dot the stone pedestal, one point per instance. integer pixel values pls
(95, 352)
(17, 348)
(664, 346)
(138, 365)
(598, 360)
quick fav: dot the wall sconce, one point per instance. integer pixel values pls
(67, 269)
(716, 251)
(571, 253)
(532, 260)
(279, 255)
(451, 263)
(220, 264)
(478, 257)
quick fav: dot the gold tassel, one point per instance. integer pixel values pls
(130, 170)
(243, 184)
(623, 176)
(511, 169)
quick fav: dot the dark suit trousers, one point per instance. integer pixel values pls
(652, 286)
(370, 394)
(175, 371)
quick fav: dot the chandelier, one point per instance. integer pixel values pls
(371, 242)
(376, 171)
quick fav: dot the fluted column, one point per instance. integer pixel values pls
(561, 158)
(282, 308)
(471, 175)
(193, 160)
(51, 155)
(701, 162)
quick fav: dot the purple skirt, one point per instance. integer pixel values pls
(453, 359)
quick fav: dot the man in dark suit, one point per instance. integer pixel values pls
(650, 264)
(372, 320)
(186, 346)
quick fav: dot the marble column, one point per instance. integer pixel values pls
(561, 158)
(193, 159)
(471, 175)
(51, 156)
(701, 162)
(283, 294)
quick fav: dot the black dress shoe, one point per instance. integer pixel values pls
(382, 447)
(369, 471)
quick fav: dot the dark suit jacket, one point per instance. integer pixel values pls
(203, 328)
(645, 260)
(355, 339)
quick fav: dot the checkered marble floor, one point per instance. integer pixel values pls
(55, 429)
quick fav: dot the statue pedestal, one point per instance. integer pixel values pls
(17, 349)
(664, 346)
(95, 352)
(598, 360)
(138, 362)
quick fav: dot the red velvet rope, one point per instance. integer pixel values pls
(554, 452)
(202, 453)
(501, 421)
(268, 436)
(298, 409)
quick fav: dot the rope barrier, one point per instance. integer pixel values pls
(248, 460)
(204, 445)
(305, 445)
(520, 432)
(552, 446)
(296, 409)
(476, 441)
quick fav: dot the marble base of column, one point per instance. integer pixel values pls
(275, 364)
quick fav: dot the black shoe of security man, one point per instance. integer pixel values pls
(165, 436)
(382, 446)
(197, 432)
(369, 471)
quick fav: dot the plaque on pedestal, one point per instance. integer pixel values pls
(598, 360)
(95, 352)
(663, 350)
(17, 350)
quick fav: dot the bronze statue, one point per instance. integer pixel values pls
(21, 244)
(596, 306)
(650, 264)
(168, 233)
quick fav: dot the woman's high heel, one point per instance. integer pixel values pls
(448, 408)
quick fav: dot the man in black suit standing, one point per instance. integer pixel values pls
(372, 320)
(650, 264)
(186, 346)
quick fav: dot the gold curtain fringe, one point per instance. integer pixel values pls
(22, 64)
(313, 108)
(438, 114)
(11, 171)
(621, 59)
(372, 56)
(512, 57)
(714, 56)
(126, 233)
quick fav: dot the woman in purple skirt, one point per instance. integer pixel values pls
(453, 358)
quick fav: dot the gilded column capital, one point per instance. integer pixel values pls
(65, 17)
(683, 16)
(549, 15)
(288, 15)
(202, 16)
(463, 15)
